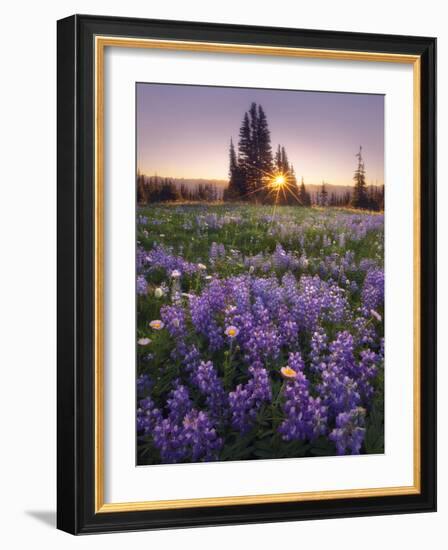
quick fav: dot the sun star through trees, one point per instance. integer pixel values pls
(279, 181)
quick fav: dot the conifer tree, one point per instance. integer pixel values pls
(284, 161)
(304, 197)
(278, 159)
(234, 190)
(141, 190)
(292, 189)
(292, 178)
(245, 156)
(233, 160)
(263, 144)
(323, 195)
(360, 198)
(254, 153)
(253, 159)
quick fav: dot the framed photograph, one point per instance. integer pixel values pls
(246, 265)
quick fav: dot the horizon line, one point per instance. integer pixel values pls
(226, 180)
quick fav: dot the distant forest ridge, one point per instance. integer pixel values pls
(193, 184)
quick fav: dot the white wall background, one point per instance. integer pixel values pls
(27, 272)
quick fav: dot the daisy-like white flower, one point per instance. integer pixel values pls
(208, 277)
(175, 274)
(143, 341)
(202, 267)
(376, 315)
(232, 331)
(288, 372)
(158, 292)
(157, 324)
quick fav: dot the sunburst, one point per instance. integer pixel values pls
(277, 184)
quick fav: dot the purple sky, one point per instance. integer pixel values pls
(184, 131)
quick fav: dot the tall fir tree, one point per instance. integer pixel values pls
(304, 197)
(245, 156)
(281, 163)
(360, 198)
(292, 189)
(253, 161)
(235, 190)
(293, 179)
(278, 159)
(323, 195)
(284, 161)
(233, 160)
(264, 148)
(232, 191)
(254, 153)
(141, 189)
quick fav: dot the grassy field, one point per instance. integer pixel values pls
(259, 332)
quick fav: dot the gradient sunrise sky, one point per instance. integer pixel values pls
(184, 131)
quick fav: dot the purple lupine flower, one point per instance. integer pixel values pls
(200, 437)
(318, 349)
(142, 220)
(142, 285)
(144, 384)
(207, 380)
(246, 400)
(289, 326)
(339, 391)
(367, 369)
(169, 440)
(263, 339)
(349, 432)
(148, 415)
(373, 290)
(364, 331)
(366, 264)
(217, 252)
(305, 417)
(163, 258)
(174, 319)
(205, 308)
(280, 258)
(191, 359)
(178, 402)
(295, 362)
(140, 259)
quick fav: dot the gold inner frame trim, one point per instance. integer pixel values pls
(101, 42)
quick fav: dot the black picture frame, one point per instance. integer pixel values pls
(76, 264)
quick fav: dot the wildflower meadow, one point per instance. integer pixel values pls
(259, 332)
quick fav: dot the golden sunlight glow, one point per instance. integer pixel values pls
(279, 180)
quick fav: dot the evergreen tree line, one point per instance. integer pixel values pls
(156, 189)
(372, 198)
(253, 167)
(253, 170)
